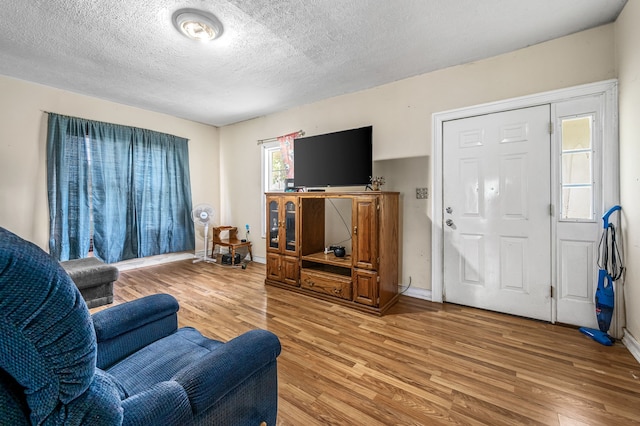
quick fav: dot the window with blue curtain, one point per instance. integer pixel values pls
(128, 188)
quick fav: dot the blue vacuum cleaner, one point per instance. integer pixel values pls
(610, 264)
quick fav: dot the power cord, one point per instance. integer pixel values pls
(343, 221)
(406, 288)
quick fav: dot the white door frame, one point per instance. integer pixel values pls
(610, 161)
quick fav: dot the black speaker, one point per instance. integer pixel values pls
(226, 259)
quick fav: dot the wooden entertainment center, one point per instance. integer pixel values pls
(366, 278)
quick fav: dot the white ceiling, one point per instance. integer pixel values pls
(274, 54)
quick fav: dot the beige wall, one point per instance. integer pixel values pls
(401, 113)
(23, 195)
(627, 33)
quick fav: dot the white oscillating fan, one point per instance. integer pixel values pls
(202, 216)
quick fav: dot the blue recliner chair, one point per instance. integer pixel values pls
(129, 364)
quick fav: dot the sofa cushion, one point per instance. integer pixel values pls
(161, 360)
(113, 382)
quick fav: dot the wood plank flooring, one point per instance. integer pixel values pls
(421, 364)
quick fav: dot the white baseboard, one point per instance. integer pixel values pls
(142, 262)
(418, 293)
(632, 344)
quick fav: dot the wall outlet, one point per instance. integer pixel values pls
(422, 193)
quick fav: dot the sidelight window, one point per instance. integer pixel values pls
(577, 177)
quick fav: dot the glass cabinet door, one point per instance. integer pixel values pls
(290, 226)
(274, 222)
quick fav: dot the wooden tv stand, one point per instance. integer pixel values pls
(365, 279)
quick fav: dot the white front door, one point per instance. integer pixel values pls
(496, 218)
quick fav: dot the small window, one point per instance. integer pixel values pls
(273, 174)
(577, 168)
(274, 169)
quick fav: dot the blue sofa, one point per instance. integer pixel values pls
(129, 364)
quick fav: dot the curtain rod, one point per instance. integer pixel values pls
(106, 122)
(261, 141)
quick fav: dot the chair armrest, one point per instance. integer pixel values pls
(119, 319)
(164, 403)
(227, 367)
(124, 329)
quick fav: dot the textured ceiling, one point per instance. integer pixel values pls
(274, 54)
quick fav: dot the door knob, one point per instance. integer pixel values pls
(449, 222)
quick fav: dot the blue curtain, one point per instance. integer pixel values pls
(162, 188)
(140, 189)
(113, 207)
(67, 174)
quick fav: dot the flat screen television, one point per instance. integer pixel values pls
(342, 158)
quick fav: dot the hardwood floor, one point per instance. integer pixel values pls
(421, 364)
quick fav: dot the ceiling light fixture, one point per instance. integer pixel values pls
(197, 25)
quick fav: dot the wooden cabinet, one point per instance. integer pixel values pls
(283, 268)
(282, 223)
(326, 283)
(365, 232)
(282, 240)
(366, 278)
(365, 287)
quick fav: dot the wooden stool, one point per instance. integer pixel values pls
(232, 242)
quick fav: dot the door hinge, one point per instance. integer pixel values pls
(551, 290)
(551, 127)
(551, 210)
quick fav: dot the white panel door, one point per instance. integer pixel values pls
(496, 198)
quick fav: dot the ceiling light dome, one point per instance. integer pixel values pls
(197, 25)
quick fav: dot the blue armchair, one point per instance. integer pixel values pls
(129, 364)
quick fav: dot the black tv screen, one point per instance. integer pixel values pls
(334, 159)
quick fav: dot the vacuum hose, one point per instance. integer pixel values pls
(609, 258)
